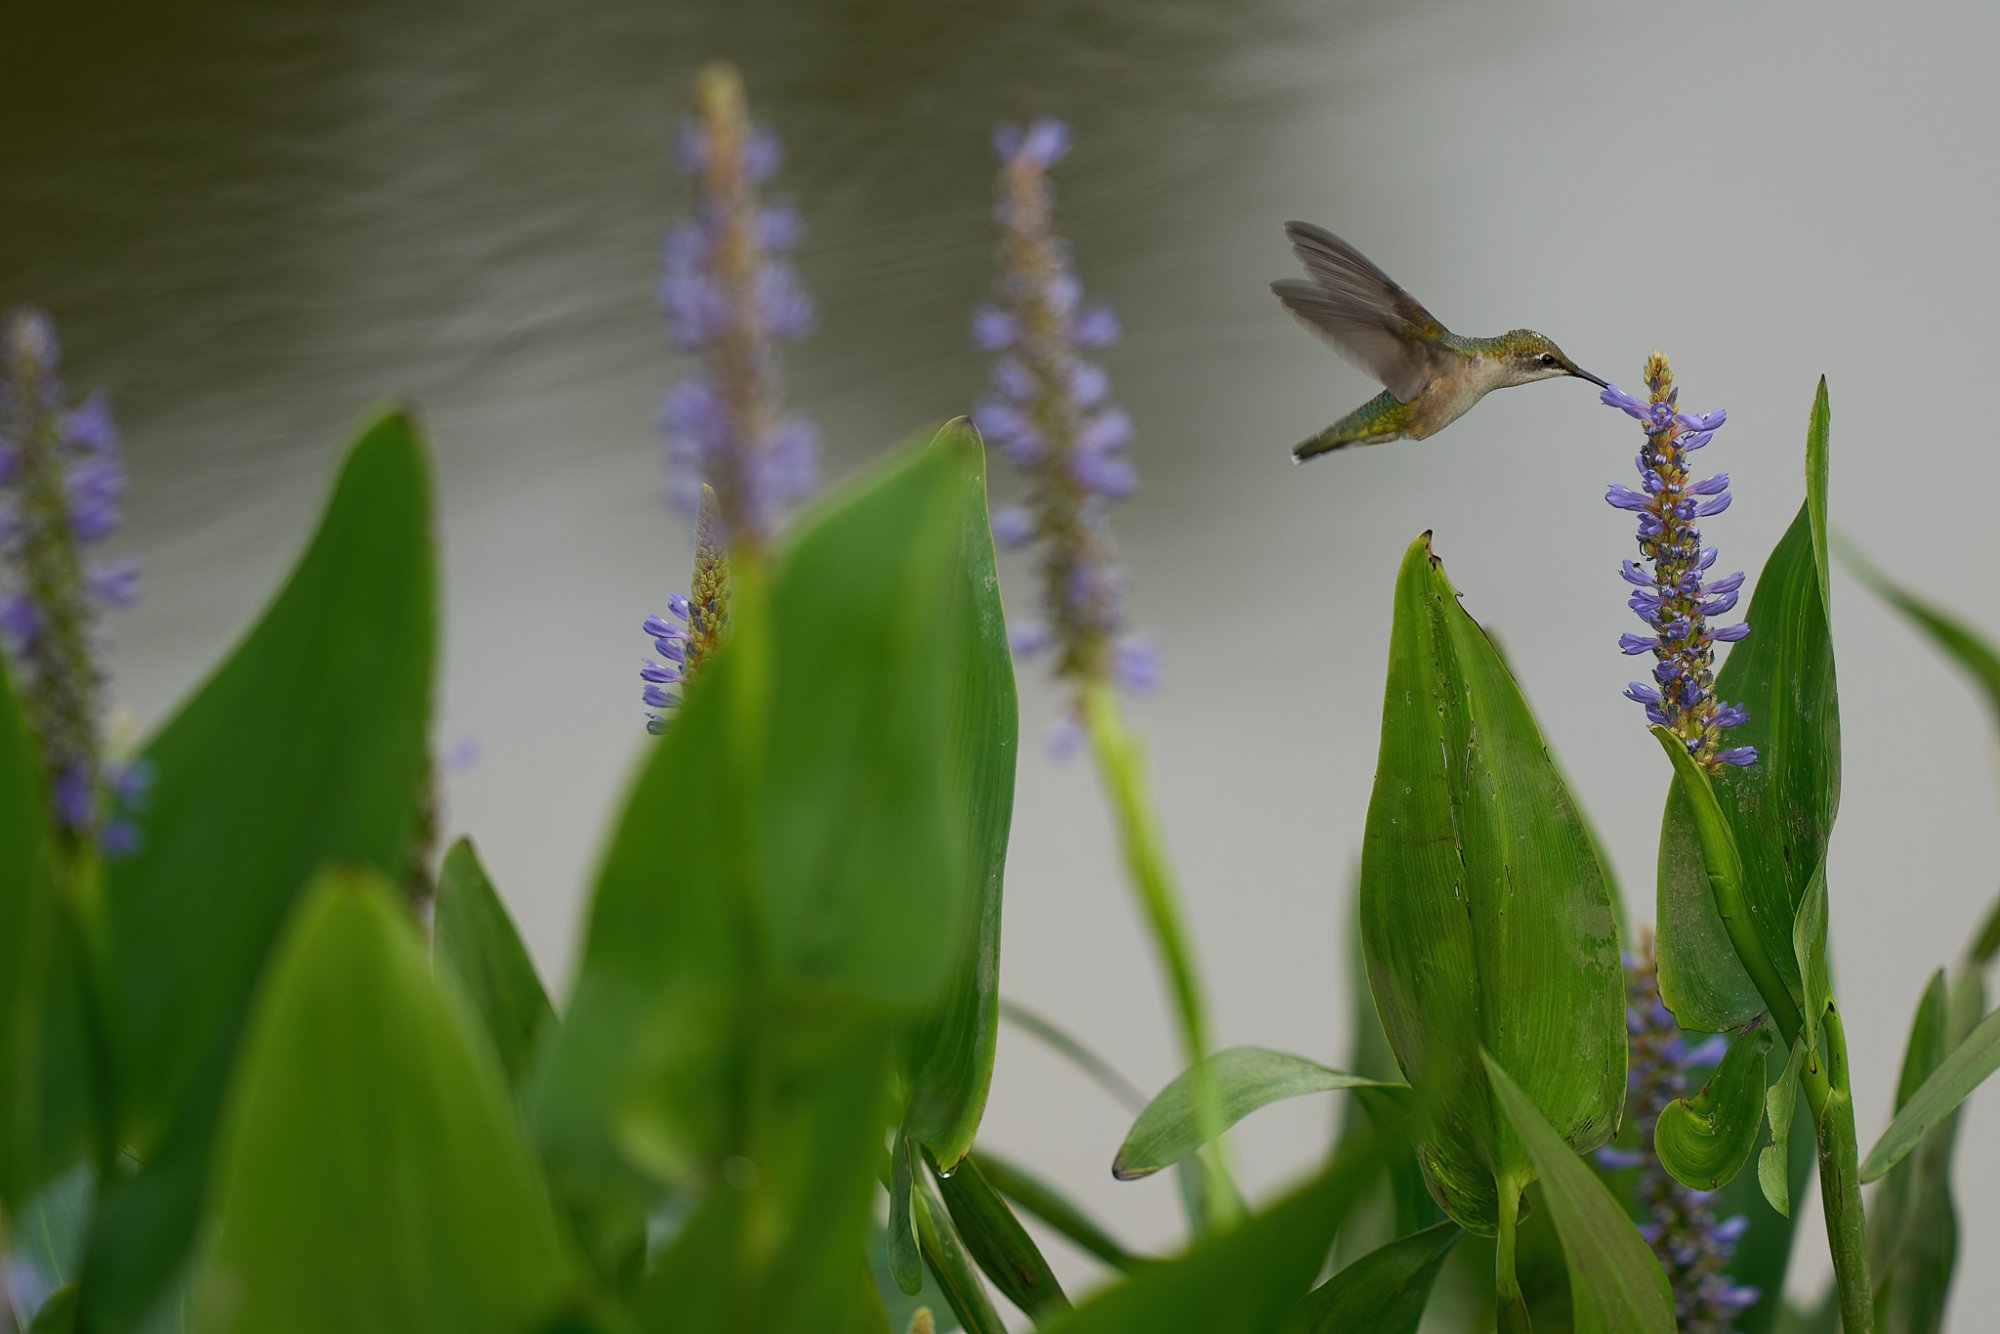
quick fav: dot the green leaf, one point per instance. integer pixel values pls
(949, 1062)
(1485, 910)
(1974, 653)
(1242, 1079)
(307, 746)
(369, 1131)
(1000, 1244)
(1704, 1140)
(802, 798)
(1064, 1215)
(1912, 1226)
(1948, 1085)
(1240, 1281)
(1073, 1049)
(1774, 1163)
(1616, 1285)
(1728, 892)
(28, 911)
(1383, 1292)
(1780, 810)
(906, 1263)
(476, 940)
(953, 1269)
(1818, 427)
(1809, 950)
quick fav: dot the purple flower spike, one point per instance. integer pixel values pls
(1671, 597)
(61, 488)
(1050, 413)
(1694, 1247)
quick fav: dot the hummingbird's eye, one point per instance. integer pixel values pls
(1548, 359)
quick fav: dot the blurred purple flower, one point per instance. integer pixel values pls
(1049, 413)
(62, 484)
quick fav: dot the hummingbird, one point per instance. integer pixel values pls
(1432, 375)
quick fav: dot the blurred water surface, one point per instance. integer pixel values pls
(252, 221)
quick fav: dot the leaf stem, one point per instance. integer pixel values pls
(1832, 1102)
(1507, 1283)
(1121, 765)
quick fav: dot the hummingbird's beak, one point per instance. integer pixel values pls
(1582, 374)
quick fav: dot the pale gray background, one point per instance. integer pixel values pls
(252, 223)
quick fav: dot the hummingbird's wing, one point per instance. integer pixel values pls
(1363, 314)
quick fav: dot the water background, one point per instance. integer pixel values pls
(252, 221)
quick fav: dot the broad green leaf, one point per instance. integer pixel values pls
(1054, 1208)
(1809, 950)
(1780, 809)
(802, 802)
(906, 1262)
(1780, 1102)
(1948, 1085)
(949, 1061)
(369, 1135)
(1485, 911)
(306, 746)
(999, 1243)
(1705, 1139)
(1616, 1285)
(1729, 897)
(1383, 1292)
(1912, 1226)
(1242, 1079)
(743, 1012)
(476, 940)
(1240, 1281)
(1974, 653)
(28, 920)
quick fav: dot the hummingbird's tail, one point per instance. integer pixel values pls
(1381, 419)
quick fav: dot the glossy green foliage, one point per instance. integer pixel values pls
(28, 911)
(369, 1131)
(1383, 1292)
(306, 746)
(1704, 1139)
(1616, 1285)
(1241, 1281)
(1780, 809)
(1033, 1195)
(1912, 1224)
(1947, 1085)
(746, 1008)
(999, 1244)
(949, 1060)
(1241, 1080)
(1485, 911)
(475, 939)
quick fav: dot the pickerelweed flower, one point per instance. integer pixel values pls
(1673, 593)
(1694, 1247)
(692, 628)
(729, 295)
(1049, 410)
(60, 488)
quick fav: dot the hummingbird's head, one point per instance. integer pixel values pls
(1530, 356)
